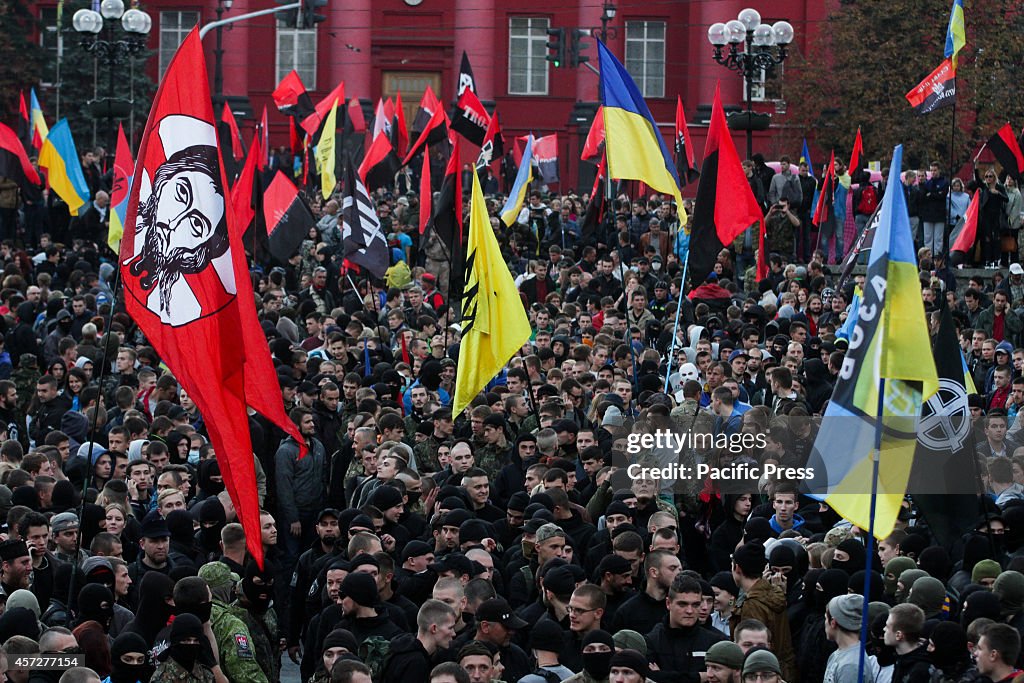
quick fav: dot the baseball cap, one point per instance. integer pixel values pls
(498, 610)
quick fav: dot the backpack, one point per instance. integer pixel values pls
(548, 676)
(398, 275)
(868, 201)
(374, 652)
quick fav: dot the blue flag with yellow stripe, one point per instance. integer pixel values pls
(956, 33)
(890, 343)
(633, 144)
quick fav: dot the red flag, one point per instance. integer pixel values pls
(428, 105)
(123, 168)
(594, 145)
(294, 139)
(494, 143)
(291, 97)
(400, 133)
(858, 150)
(825, 196)
(380, 164)
(355, 116)
(311, 124)
(24, 130)
(438, 123)
(14, 161)
(426, 196)
(762, 258)
(228, 117)
(685, 165)
(241, 191)
(969, 233)
(1007, 151)
(725, 203)
(186, 282)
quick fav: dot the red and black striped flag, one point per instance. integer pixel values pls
(447, 220)
(380, 164)
(936, 91)
(593, 148)
(399, 133)
(494, 143)
(435, 130)
(24, 123)
(717, 223)
(470, 119)
(1006, 148)
(14, 162)
(311, 124)
(291, 97)
(685, 166)
(286, 217)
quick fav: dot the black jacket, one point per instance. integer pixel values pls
(913, 667)
(407, 660)
(641, 613)
(679, 652)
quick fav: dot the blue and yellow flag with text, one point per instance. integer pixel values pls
(633, 144)
(514, 203)
(63, 167)
(890, 343)
(494, 322)
(956, 33)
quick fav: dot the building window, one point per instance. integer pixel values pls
(174, 27)
(296, 49)
(766, 85)
(527, 66)
(645, 56)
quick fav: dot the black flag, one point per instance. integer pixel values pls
(466, 80)
(363, 242)
(944, 480)
(287, 217)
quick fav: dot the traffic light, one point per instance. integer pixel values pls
(310, 18)
(576, 46)
(289, 17)
(556, 46)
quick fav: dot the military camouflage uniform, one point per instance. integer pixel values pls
(264, 638)
(234, 642)
(426, 455)
(25, 378)
(490, 458)
(172, 672)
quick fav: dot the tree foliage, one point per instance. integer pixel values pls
(868, 54)
(21, 59)
(83, 79)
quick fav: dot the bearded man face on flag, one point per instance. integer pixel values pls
(180, 250)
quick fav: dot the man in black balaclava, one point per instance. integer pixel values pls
(189, 652)
(598, 648)
(96, 603)
(252, 606)
(128, 660)
(850, 556)
(212, 519)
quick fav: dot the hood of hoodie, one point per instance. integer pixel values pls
(695, 334)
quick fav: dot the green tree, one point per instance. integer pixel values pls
(21, 59)
(84, 78)
(868, 54)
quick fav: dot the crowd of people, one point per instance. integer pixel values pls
(506, 543)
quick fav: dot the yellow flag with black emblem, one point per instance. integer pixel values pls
(494, 322)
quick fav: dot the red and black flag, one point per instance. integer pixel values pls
(294, 139)
(447, 220)
(545, 156)
(286, 216)
(685, 166)
(382, 120)
(311, 124)
(592, 217)
(470, 119)
(717, 223)
(355, 122)
(593, 148)
(426, 195)
(245, 190)
(291, 97)
(435, 131)
(399, 133)
(936, 91)
(263, 130)
(494, 143)
(824, 213)
(429, 105)
(1006, 148)
(14, 162)
(380, 164)
(362, 240)
(230, 138)
(24, 131)
(858, 150)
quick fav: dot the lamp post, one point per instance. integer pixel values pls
(218, 53)
(112, 53)
(748, 32)
(608, 11)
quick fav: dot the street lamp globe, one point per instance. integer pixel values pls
(112, 9)
(737, 32)
(718, 34)
(227, 4)
(750, 18)
(609, 11)
(764, 36)
(783, 31)
(87, 21)
(136, 21)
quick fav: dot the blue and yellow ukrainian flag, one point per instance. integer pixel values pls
(632, 141)
(889, 343)
(805, 157)
(63, 168)
(37, 122)
(956, 34)
(514, 203)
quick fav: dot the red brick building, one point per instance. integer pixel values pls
(379, 47)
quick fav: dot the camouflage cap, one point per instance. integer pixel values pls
(28, 360)
(218, 575)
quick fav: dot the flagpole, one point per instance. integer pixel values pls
(373, 296)
(625, 303)
(947, 230)
(679, 308)
(871, 530)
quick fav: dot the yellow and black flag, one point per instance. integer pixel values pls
(494, 322)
